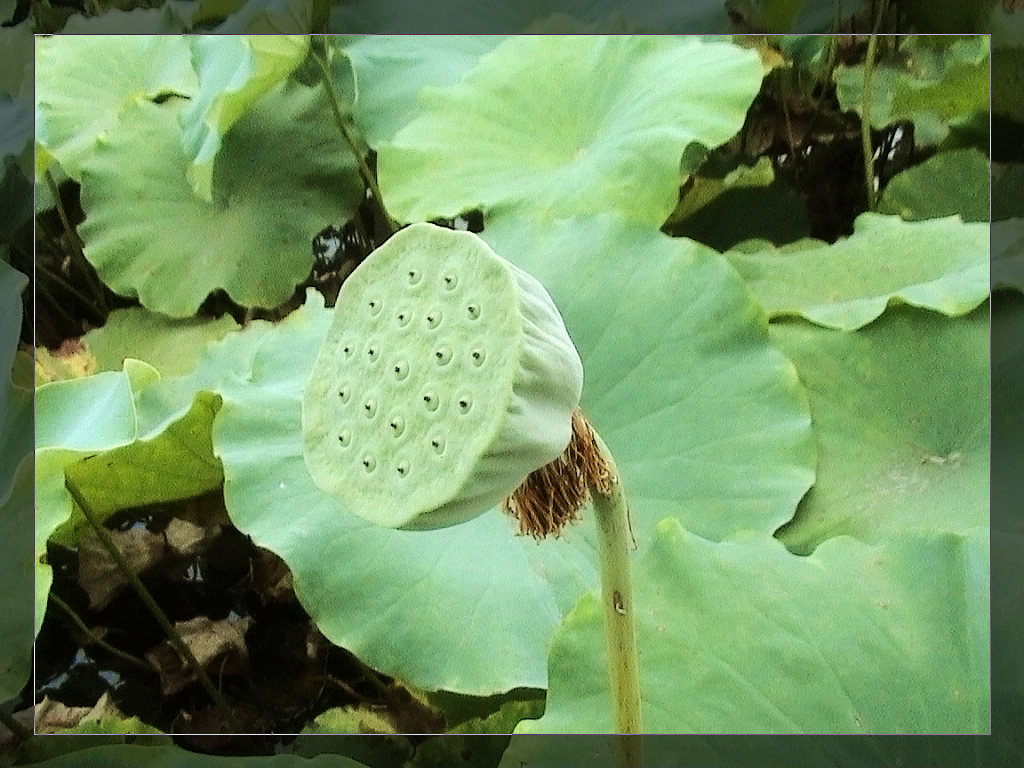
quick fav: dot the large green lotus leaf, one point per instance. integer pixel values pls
(18, 44)
(939, 264)
(85, 83)
(779, 16)
(17, 574)
(16, 512)
(948, 183)
(281, 175)
(171, 18)
(171, 345)
(269, 17)
(74, 418)
(750, 202)
(496, 17)
(91, 733)
(131, 756)
(177, 463)
(901, 414)
(934, 85)
(234, 72)
(457, 609)
(15, 402)
(743, 636)
(1008, 253)
(1007, 520)
(570, 125)
(15, 126)
(391, 70)
(706, 419)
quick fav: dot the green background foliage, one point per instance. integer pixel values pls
(802, 426)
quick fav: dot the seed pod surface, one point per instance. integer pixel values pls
(446, 377)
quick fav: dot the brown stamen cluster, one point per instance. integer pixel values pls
(551, 497)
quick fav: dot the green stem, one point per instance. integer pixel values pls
(147, 599)
(355, 142)
(865, 111)
(95, 638)
(69, 230)
(614, 544)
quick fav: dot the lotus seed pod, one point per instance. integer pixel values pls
(446, 377)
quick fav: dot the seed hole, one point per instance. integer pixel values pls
(473, 310)
(402, 468)
(437, 443)
(464, 403)
(430, 400)
(450, 281)
(397, 426)
(375, 307)
(369, 463)
(345, 438)
(443, 356)
(370, 408)
(401, 370)
(434, 319)
(414, 276)
(477, 356)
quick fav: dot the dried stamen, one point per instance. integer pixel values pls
(551, 497)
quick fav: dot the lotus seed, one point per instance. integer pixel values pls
(473, 310)
(434, 319)
(414, 276)
(345, 438)
(344, 393)
(450, 281)
(374, 307)
(373, 353)
(397, 425)
(404, 318)
(370, 406)
(465, 403)
(401, 370)
(369, 463)
(430, 400)
(403, 468)
(348, 350)
(477, 356)
(443, 356)
(437, 443)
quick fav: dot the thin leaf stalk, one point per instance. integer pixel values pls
(867, 149)
(128, 658)
(152, 606)
(355, 142)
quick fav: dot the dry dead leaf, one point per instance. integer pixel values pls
(219, 646)
(271, 578)
(52, 716)
(101, 577)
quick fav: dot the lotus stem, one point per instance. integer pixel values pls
(154, 608)
(355, 142)
(614, 545)
(549, 499)
(126, 657)
(865, 111)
